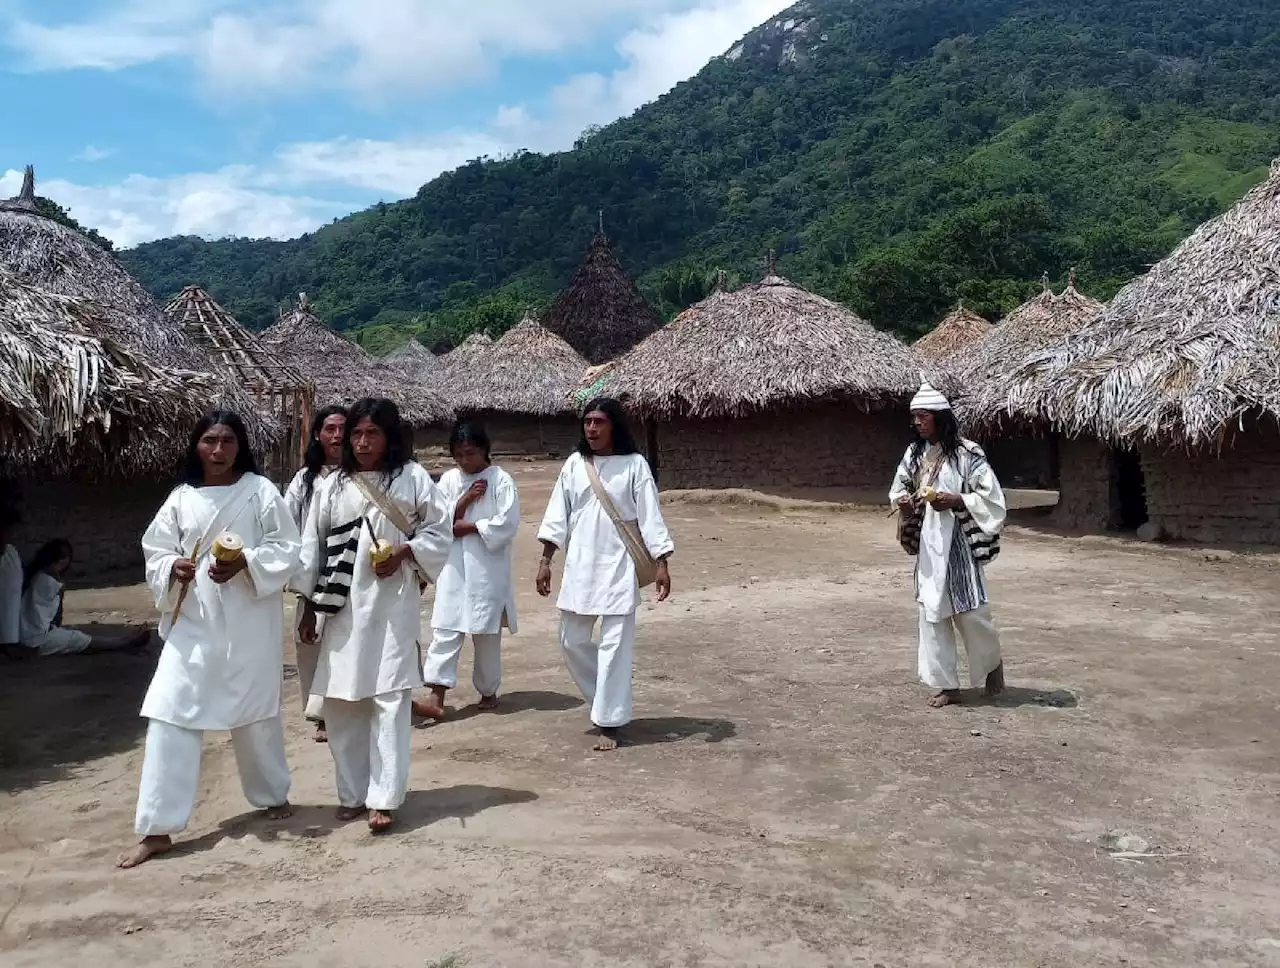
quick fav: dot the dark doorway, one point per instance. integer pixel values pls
(1130, 505)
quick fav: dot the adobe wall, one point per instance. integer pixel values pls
(1023, 461)
(1087, 498)
(827, 445)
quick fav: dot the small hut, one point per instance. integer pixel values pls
(960, 328)
(601, 313)
(415, 360)
(1022, 454)
(1170, 399)
(466, 352)
(278, 388)
(520, 389)
(769, 386)
(343, 372)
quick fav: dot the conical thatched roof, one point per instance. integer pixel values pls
(766, 345)
(232, 348)
(960, 328)
(1181, 353)
(467, 351)
(72, 399)
(343, 372)
(530, 370)
(59, 260)
(414, 359)
(601, 313)
(983, 368)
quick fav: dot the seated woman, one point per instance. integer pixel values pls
(42, 609)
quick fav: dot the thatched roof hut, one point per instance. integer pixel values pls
(601, 313)
(958, 329)
(343, 372)
(415, 359)
(74, 399)
(467, 351)
(530, 370)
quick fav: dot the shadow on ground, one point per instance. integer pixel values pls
(1015, 696)
(676, 729)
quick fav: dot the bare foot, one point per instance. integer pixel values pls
(282, 812)
(995, 681)
(488, 702)
(322, 734)
(380, 821)
(143, 851)
(607, 740)
(347, 814)
(948, 697)
(433, 707)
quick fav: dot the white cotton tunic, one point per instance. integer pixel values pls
(10, 596)
(40, 604)
(475, 587)
(223, 657)
(948, 580)
(296, 498)
(370, 647)
(599, 575)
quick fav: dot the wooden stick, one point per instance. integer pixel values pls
(186, 585)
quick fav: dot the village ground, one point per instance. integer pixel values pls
(788, 799)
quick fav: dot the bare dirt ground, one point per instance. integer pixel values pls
(788, 800)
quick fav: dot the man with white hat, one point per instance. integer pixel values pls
(946, 492)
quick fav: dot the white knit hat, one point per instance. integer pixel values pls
(927, 398)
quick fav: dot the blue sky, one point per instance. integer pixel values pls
(266, 118)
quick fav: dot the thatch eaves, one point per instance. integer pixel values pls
(769, 344)
(529, 370)
(958, 329)
(1182, 353)
(343, 372)
(601, 313)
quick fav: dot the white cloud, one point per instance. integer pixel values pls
(134, 32)
(398, 167)
(92, 153)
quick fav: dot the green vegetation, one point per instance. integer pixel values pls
(897, 154)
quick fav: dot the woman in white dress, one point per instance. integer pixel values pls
(222, 621)
(474, 595)
(365, 610)
(323, 456)
(42, 629)
(600, 580)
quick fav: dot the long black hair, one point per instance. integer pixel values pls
(314, 459)
(623, 442)
(948, 437)
(469, 432)
(49, 552)
(192, 471)
(386, 415)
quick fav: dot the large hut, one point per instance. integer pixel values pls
(959, 328)
(520, 389)
(343, 372)
(769, 386)
(601, 313)
(1170, 400)
(278, 388)
(1023, 454)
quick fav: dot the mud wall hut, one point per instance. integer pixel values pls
(1171, 398)
(769, 387)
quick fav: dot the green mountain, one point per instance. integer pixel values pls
(897, 155)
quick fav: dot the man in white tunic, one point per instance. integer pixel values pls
(369, 624)
(42, 629)
(323, 456)
(222, 622)
(600, 583)
(474, 595)
(948, 477)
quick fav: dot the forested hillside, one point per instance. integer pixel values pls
(898, 155)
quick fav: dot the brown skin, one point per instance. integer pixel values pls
(100, 643)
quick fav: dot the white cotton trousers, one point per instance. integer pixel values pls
(308, 659)
(61, 641)
(441, 665)
(370, 740)
(601, 670)
(171, 772)
(938, 655)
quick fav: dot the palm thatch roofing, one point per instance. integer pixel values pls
(529, 370)
(769, 344)
(601, 313)
(414, 359)
(59, 260)
(72, 398)
(982, 369)
(343, 372)
(466, 352)
(958, 329)
(1182, 353)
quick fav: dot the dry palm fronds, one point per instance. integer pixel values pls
(73, 399)
(415, 360)
(957, 330)
(343, 372)
(1183, 352)
(464, 354)
(530, 370)
(766, 345)
(601, 313)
